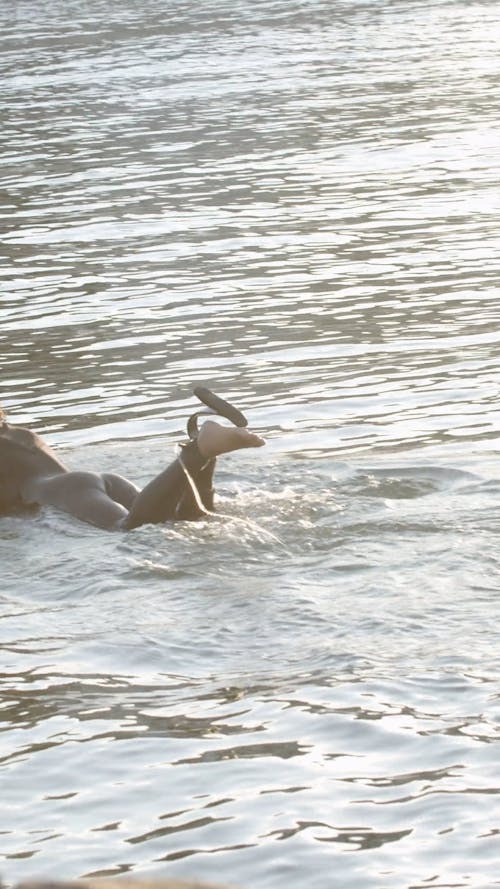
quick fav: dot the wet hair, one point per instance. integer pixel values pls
(19, 438)
(10, 495)
(22, 453)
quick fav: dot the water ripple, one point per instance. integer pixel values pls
(295, 203)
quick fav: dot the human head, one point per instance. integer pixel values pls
(23, 456)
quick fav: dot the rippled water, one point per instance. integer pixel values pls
(297, 204)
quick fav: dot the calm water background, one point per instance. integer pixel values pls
(296, 203)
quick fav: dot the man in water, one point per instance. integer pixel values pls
(31, 474)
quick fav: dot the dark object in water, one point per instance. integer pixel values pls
(32, 475)
(216, 405)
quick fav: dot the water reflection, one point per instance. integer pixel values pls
(360, 803)
(295, 203)
(188, 212)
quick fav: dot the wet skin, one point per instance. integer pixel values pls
(31, 474)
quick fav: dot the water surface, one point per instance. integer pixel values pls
(295, 203)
